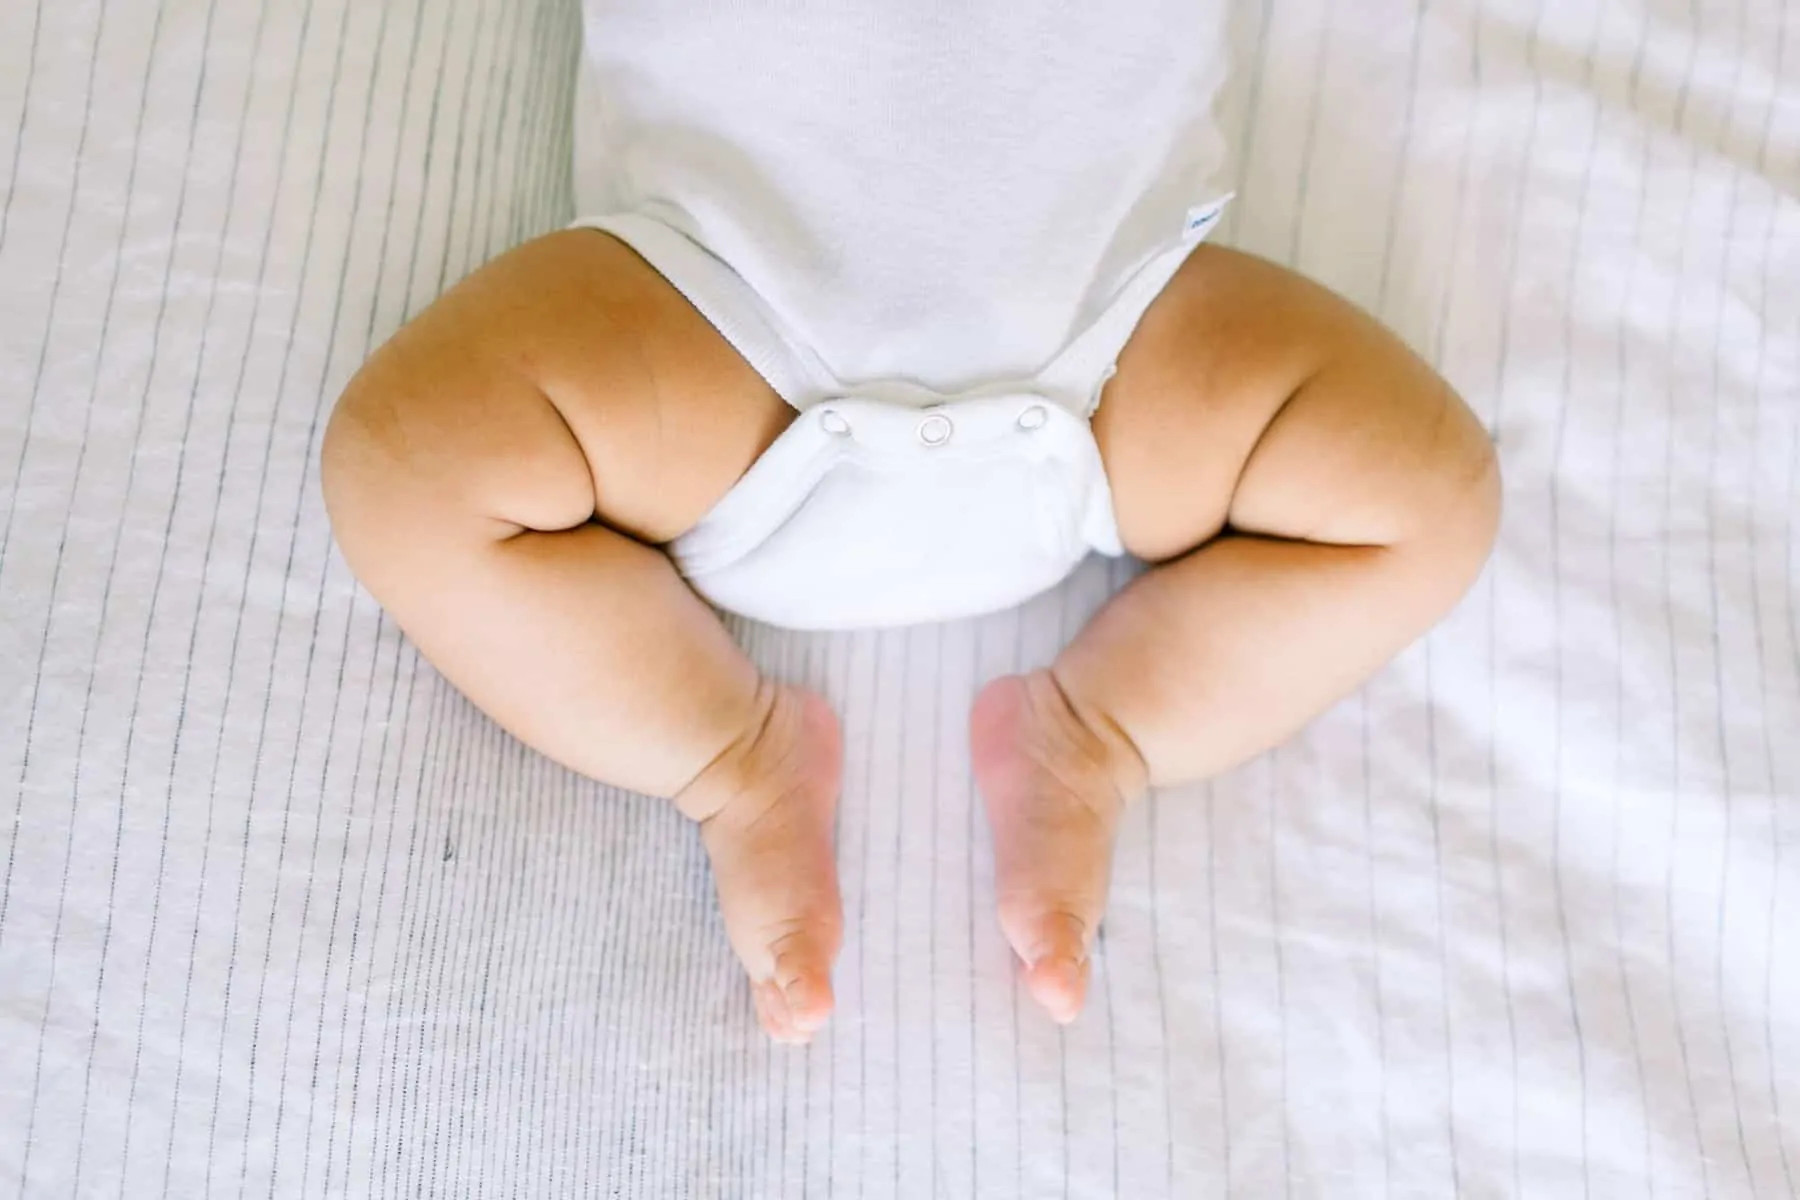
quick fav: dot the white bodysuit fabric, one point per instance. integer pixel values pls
(934, 223)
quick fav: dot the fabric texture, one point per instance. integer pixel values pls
(866, 514)
(281, 915)
(943, 192)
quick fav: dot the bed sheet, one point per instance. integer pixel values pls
(282, 915)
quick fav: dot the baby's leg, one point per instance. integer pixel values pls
(1316, 498)
(500, 474)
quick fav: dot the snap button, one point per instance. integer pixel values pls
(936, 429)
(833, 422)
(1034, 417)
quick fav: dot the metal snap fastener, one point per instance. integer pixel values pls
(936, 429)
(833, 422)
(1034, 417)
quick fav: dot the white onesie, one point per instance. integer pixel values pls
(931, 225)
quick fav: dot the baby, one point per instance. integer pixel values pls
(883, 313)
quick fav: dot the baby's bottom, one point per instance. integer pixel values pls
(500, 474)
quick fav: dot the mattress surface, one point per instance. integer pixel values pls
(282, 915)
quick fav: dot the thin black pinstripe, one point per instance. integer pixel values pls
(1671, 407)
(1727, 797)
(6, 202)
(1309, 143)
(1151, 803)
(969, 843)
(1612, 578)
(558, 951)
(1246, 144)
(470, 863)
(536, 953)
(428, 773)
(398, 1058)
(1559, 442)
(312, 873)
(938, 683)
(601, 819)
(902, 765)
(528, 139)
(1018, 1092)
(1278, 940)
(1218, 983)
(1397, 193)
(1792, 598)
(466, 858)
(429, 732)
(378, 642)
(459, 861)
(533, 950)
(484, 179)
(1445, 309)
(1375, 989)
(614, 934)
(862, 916)
(12, 172)
(488, 850)
(423, 964)
(1793, 624)
(1508, 297)
(1272, 798)
(620, 929)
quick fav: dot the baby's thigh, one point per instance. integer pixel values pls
(567, 380)
(1253, 400)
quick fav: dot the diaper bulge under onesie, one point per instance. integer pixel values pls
(931, 225)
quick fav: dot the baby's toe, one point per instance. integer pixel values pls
(800, 996)
(1051, 942)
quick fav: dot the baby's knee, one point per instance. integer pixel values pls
(418, 454)
(1454, 496)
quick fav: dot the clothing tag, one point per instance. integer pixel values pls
(1201, 218)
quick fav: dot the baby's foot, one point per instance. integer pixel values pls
(1054, 787)
(768, 806)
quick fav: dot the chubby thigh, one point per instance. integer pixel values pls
(1252, 400)
(567, 381)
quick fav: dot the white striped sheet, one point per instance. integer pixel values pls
(282, 915)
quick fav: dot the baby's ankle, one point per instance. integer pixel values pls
(1098, 734)
(769, 746)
